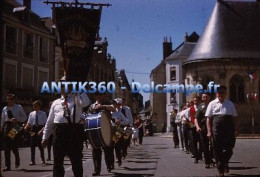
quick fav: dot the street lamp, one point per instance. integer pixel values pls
(252, 97)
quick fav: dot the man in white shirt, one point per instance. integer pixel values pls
(222, 127)
(65, 123)
(35, 124)
(12, 115)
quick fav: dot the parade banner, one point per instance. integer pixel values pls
(76, 30)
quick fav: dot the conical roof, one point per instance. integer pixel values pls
(232, 32)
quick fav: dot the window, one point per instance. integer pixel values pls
(27, 76)
(28, 45)
(43, 49)
(237, 89)
(10, 39)
(42, 77)
(173, 73)
(10, 77)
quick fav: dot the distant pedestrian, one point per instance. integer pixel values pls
(173, 115)
(35, 126)
(135, 134)
(222, 125)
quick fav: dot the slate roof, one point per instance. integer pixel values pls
(232, 32)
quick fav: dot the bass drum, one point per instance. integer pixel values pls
(98, 129)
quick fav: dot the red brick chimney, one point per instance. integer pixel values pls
(27, 3)
(167, 47)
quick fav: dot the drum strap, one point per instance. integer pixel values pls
(74, 110)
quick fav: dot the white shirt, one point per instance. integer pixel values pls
(128, 114)
(17, 111)
(56, 112)
(215, 107)
(181, 117)
(42, 118)
(118, 115)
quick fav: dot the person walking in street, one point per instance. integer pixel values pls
(173, 115)
(13, 116)
(49, 144)
(68, 131)
(222, 126)
(201, 128)
(193, 136)
(35, 126)
(126, 111)
(109, 150)
(120, 120)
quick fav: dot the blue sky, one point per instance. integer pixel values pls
(135, 29)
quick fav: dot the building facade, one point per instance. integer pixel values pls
(228, 53)
(175, 76)
(27, 55)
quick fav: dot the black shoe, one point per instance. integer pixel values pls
(7, 169)
(193, 156)
(119, 163)
(109, 170)
(195, 161)
(96, 174)
(226, 169)
(17, 164)
(207, 166)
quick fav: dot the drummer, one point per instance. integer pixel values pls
(64, 121)
(108, 151)
(118, 120)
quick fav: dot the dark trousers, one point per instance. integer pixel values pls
(8, 146)
(125, 144)
(68, 140)
(49, 144)
(36, 142)
(140, 135)
(175, 135)
(223, 140)
(205, 147)
(118, 149)
(97, 157)
(193, 141)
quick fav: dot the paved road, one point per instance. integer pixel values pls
(156, 157)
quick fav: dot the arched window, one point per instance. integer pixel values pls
(237, 89)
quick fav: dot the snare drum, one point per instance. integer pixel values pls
(98, 129)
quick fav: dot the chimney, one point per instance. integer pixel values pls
(167, 47)
(186, 37)
(27, 3)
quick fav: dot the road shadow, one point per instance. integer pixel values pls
(236, 175)
(242, 168)
(130, 175)
(138, 169)
(36, 171)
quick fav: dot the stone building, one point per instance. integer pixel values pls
(175, 75)
(28, 50)
(228, 52)
(158, 100)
